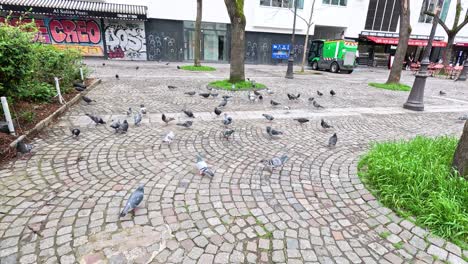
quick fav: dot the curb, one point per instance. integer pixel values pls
(46, 121)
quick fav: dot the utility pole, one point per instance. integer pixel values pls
(289, 72)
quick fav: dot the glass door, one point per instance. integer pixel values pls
(210, 46)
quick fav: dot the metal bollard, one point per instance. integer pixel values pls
(81, 73)
(57, 86)
(6, 110)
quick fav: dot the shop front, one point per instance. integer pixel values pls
(213, 42)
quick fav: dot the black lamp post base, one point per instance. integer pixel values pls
(415, 106)
(289, 72)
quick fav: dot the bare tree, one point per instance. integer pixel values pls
(196, 61)
(235, 10)
(460, 159)
(451, 33)
(309, 24)
(405, 31)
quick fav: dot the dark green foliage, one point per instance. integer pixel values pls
(28, 68)
(415, 178)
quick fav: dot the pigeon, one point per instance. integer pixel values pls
(178, 67)
(252, 97)
(319, 93)
(227, 120)
(214, 95)
(167, 119)
(268, 117)
(79, 89)
(75, 132)
(260, 97)
(270, 92)
(168, 138)
(274, 103)
(317, 105)
(186, 124)
(135, 199)
(226, 97)
(188, 113)
(103, 64)
(217, 111)
(302, 120)
(96, 119)
(129, 111)
(293, 97)
(311, 99)
(324, 124)
(143, 109)
(137, 67)
(332, 93)
(272, 132)
(275, 162)
(442, 93)
(123, 128)
(87, 99)
(204, 95)
(257, 93)
(117, 76)
(332, 141)
(137, 118)
(227, 133)
(167, 63)
(78, 84)
(23, 148)
(203, 167)
(115, 125)
(192, 93)
(463, 117)
(223, 103)
(171, 87)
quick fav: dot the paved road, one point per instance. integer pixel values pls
(62, 204)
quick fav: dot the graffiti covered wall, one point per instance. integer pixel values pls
(125, 40)
(165, 39)
(82, 34)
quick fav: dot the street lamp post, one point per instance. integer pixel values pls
(289, 72)
(415, 100)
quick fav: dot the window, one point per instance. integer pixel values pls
(429, 6)
(382, 15)
(335, 2)
(283, 3)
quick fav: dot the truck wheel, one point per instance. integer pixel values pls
(334, 67)
(315, 66)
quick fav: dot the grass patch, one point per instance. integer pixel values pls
(384, 234)
(398, 245)
(415, 178)
(197, 68)
(392, 86)
(242, 86)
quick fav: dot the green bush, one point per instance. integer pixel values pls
(28, 68)
(415, 178)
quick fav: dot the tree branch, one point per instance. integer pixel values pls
(441, 23)
(463, 23)
(303, 19)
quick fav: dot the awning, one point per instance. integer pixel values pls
(75, 8)
(411, 42)
(461, 44)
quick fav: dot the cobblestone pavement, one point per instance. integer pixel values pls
(61, 205)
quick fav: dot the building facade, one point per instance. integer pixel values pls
(165, 30)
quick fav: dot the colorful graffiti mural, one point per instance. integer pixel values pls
(84, 35)
(125, 40)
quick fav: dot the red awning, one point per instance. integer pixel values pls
(462, 44)
(411, 42)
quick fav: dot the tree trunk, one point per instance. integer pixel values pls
(448, 50)
(196, 61)
(236, 14)
(306, 42)
(405, 31)
(460, 159)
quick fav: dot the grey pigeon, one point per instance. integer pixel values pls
(115, 125)
(186, 124)
(463, 117)
(178, 67)
(203, 168)
(172, 87)
(270, 92)
(311, 99)
(135, 199)
(332, 141)
(124, 127)
(332, 93)
(214, 95)
(317, 105)
(442, 93)
(268, 117)
(103, 64)
(227, 120)
(87, 99)
(24, 148)
(79, 89)
(260, 97)
(226, 97)
(204, 95)
(275, 162)
(137, 118)
(143, 109)
(302, 120)
(167, 119)
(192, 93)
(167, 63)
(97, 120)
(217, 111)
(75, 132)
(188, 113)
(319, 93)
(324, 124)
(274, 103)
(117, 76)
(272, 132)
(257, 93)
(223, 103)
(137, 67)
(227, 133)
(129, 111)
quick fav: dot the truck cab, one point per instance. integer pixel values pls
(333, 55)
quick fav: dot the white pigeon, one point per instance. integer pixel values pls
(169, 137)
